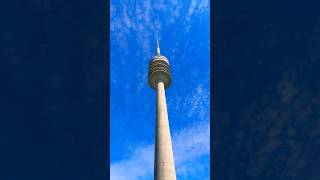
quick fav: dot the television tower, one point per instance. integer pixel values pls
(159, 78)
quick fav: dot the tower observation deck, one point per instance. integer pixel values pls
(159, 78)
(159, 70)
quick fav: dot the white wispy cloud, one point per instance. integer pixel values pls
(199, 103)
(196, 105)
(139, 165)
(142, 19)
(141, 23)
(195, 8)
(203, 6)
(190, 146)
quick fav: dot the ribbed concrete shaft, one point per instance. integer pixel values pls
(164, 165)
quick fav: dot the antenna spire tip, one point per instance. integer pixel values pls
(158, 47)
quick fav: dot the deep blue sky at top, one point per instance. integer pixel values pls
(183, 31)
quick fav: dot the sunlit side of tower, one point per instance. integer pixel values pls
(159, 78)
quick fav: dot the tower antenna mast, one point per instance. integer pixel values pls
(158, 48)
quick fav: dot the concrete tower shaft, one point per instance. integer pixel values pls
(160, 79)
(164, 168)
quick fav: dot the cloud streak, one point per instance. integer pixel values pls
(140, 23)
(191, 144)
(191, 148)
(144, 23)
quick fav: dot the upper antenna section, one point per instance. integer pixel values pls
(158, 48)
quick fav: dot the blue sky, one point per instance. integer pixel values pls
(183, 31)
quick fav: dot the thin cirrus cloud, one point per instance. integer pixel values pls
(140, 24)
(140, 19)
(190, 146)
